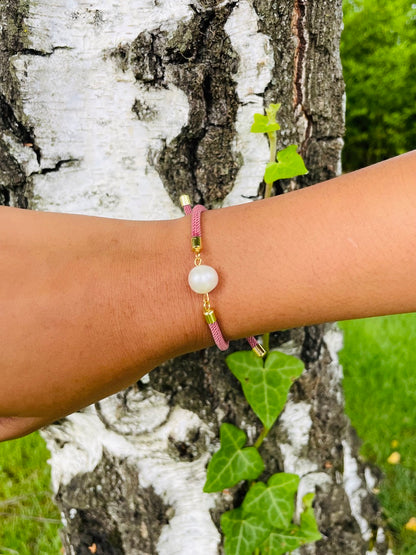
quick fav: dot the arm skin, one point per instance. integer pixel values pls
(89, 305)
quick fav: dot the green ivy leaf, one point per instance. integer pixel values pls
(275, 502)
(309, 531)
(262, 124)
(243, 533)
(265, 387)
(232, 462)
(271, 111)
(290, 538)
(289, 164)
(281, 541)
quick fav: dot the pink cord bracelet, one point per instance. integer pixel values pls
(203, 279)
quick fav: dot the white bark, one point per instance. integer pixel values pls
(80, 106)
(179, 484)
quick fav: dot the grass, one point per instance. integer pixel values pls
(379, 360)
(29, 519)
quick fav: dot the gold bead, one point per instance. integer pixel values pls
(196, 244)
(259, 350)
(184, 200)
(210, 316)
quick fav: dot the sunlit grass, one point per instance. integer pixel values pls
(29, 519)
(379, 360)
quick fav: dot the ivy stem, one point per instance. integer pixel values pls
(273, 149)
(262, 436)
(266, 341)
(267, 194)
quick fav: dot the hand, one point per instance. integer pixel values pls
(13, 427)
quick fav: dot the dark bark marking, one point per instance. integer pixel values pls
(59, 165)
(110, 509)
(317, 77)
(13, 181)
(199, 160)
(299, 32)
(118, 417)
(43, 53)
(312, 344)
(299, 75)
(146, 58)
(189, 450)
(143, 111)
(199, 59)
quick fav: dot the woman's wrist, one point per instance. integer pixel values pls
(89, 305)
(172, 323)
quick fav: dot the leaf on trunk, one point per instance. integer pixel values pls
(289, 164)
(308, 527)
(243, 533)
(276, 501)
(282, 541)
(265, 384)
(233, 462)
(262, 124)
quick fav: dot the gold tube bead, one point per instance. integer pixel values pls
(184, 200)
(210, 316)
(259, 350)
(196, 244)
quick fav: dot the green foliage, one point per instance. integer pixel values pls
(279, 542)
(233, 462)
(308, 530)
(263, 524)
(29, 519)
(274, 501)
(265, 383)
(263, 125)
(379, 361)
(378, 50)
(243, 532)
(246, 530)
(289, 164)
(266, 123)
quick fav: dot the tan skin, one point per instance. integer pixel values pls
(89, 305)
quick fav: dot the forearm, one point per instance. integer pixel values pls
(90, 305)
(342, 249)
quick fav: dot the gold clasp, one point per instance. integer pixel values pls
(259, 350)
(208, 311)
(196, 244)
(207, 304)
(184, 200)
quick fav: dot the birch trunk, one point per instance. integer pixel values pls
(114, 108)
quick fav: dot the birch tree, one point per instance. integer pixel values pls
(114, 108)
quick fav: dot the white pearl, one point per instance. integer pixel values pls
(202, 279)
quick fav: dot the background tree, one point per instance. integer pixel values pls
(114, 108)
(378, 50)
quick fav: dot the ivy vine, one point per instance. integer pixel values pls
(265, 522)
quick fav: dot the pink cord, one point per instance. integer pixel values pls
(218, 337)
(214, 327)
(196, 219)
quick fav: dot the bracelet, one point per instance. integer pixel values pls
(203, 279)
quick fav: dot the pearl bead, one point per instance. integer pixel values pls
(202, 279)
